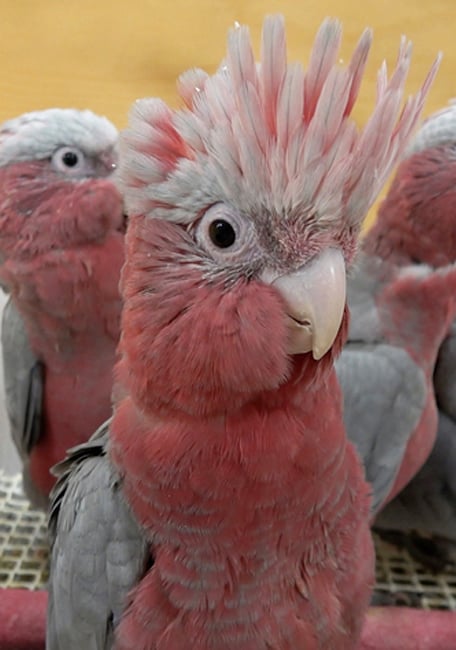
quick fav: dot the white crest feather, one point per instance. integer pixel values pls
(37, 135)
(438, 129)
(269, 137)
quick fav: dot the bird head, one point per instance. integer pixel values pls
(56, 181)
(245, 208)
(416, 221)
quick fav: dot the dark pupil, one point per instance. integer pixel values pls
(222, 233)
(70, 159)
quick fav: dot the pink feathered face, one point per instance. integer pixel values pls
(196, 345)
(43, 209)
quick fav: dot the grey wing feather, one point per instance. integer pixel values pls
(362, 286)
(98, 550)
(445, 375)
(428, 502)
(384, 396)
(24, 379)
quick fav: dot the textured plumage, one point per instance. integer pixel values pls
(416, 226)
(399, 317)
(225, 475)
(61, 249)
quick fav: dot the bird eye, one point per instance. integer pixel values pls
(224, 234)
(69, 160)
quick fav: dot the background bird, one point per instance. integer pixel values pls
(222, 506)
(416, 226)
(61, 250)
(400, 317)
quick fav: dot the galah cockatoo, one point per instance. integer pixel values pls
(399, 317)
(61, 250)
(222, 506)
(416, 229)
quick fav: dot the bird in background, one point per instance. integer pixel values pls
(61, 250)
(402, 310)
(415, 236)
(222, 506)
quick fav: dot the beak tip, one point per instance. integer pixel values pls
(318, 354)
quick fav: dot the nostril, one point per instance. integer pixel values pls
(303, 323)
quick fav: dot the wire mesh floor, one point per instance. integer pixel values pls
(398, 573)
(24, 556)
(23, 538)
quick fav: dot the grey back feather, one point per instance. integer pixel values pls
(18, 362)
(384, 393)
(428, 502)
(362, 285)
(445, 375)
(384, 389)
(98, 550)
(24, 386)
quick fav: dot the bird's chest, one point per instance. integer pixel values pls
(228, 483)
(248, 572)
(68, 300)
(238, 540)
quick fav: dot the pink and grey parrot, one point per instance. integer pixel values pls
(61, 251)
(400, 315)
(222, 506)
(416, 230)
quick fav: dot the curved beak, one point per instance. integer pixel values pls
(315, 298)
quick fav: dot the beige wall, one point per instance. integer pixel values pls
(104, 54)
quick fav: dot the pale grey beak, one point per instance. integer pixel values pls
(315, 298)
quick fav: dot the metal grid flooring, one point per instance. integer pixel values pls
(398, 573)
(24, 556)
(23, 538)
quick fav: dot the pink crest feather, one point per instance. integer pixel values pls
(269, 135)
